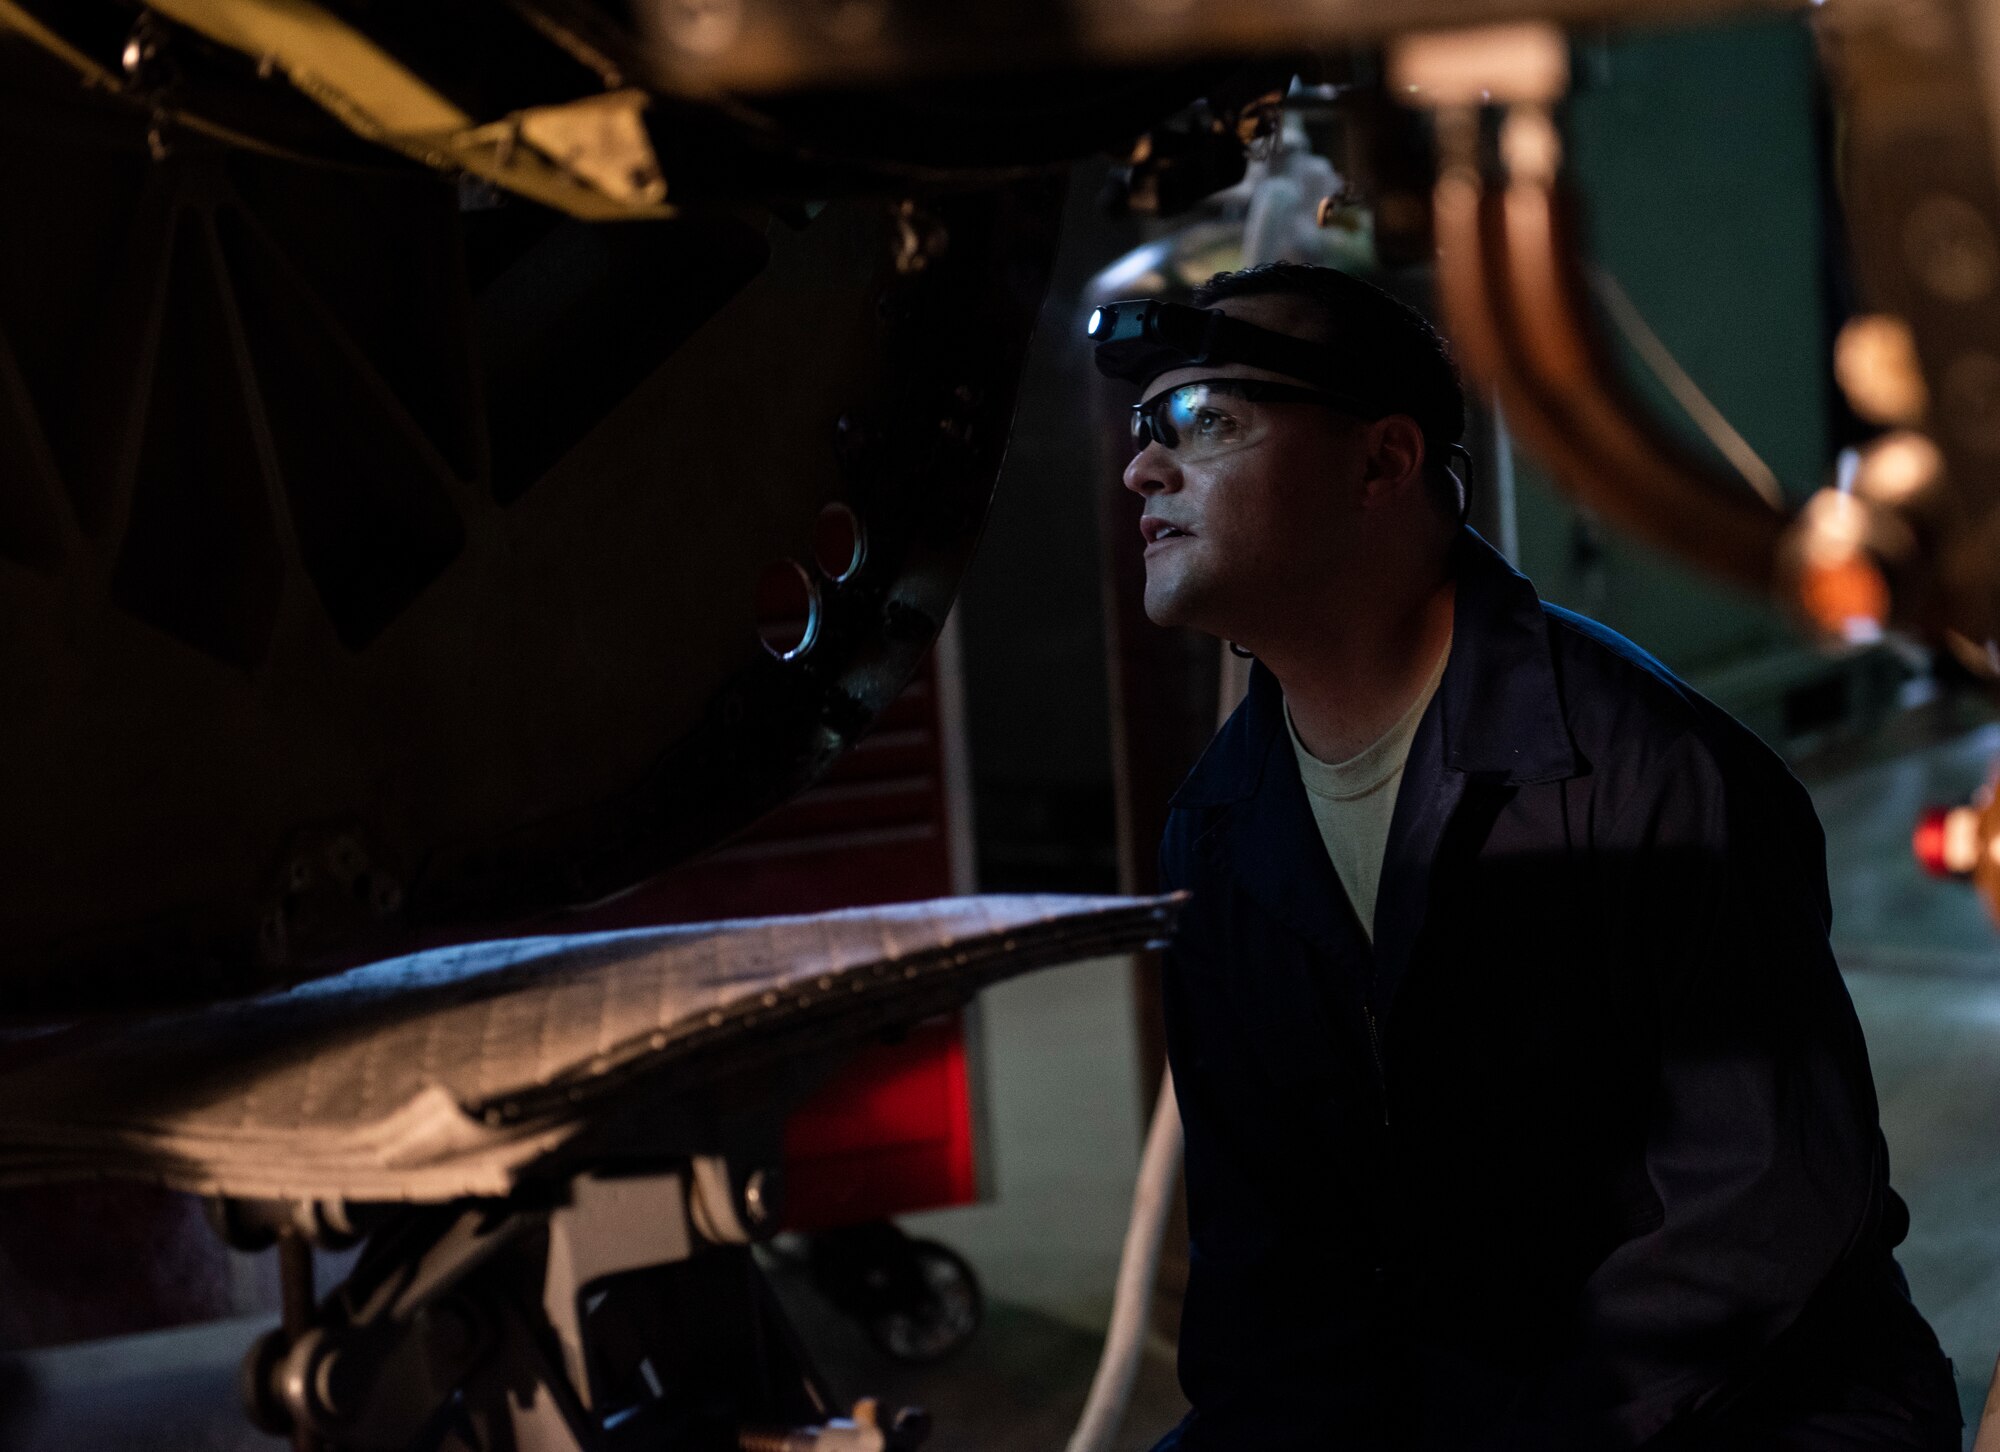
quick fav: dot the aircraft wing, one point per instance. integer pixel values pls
(459, 1071)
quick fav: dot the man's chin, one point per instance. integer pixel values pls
(1175, 610)
(1162, 608)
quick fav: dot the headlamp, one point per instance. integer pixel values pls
(1140, 339)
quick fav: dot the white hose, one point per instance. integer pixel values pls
(1988, 1436)
(1131, 1305)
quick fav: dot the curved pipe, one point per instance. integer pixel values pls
(1512, 285)
(1661, 491)
(1473, 311)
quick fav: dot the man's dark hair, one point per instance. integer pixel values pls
(1414, 361)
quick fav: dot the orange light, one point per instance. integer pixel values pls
(1846, 597)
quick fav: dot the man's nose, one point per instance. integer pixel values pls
(1152, 471)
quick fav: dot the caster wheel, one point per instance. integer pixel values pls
(942, 1314)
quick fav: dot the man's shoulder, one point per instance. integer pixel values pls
(1633, 719)
(1596, 665)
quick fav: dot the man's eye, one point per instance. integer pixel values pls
(1212, 425)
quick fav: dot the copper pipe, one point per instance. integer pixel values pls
(1463, 218)
(1511, 284)
(1646, 480)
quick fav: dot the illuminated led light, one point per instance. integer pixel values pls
(1096, 323)
(1898, 467)
(1875, 361)
(1835, 524)
(1946, 841)
(1840, 587)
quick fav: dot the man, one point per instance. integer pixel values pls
(1525, 1105)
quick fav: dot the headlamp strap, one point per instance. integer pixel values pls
(1231, 340)
(1139, 340)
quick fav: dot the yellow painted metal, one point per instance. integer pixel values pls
(368, 89)
(500, 153)
(600, 140)
(590, 158)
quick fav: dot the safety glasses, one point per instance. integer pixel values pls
(1209, 415)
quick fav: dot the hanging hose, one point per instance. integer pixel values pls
(1131, 1306)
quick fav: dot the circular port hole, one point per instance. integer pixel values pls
(787, 609)
(837, 541)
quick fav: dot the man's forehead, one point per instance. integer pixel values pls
(1280, 312)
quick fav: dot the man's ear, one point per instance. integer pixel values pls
(1395, 458)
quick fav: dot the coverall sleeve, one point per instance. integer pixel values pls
(1763, 1147)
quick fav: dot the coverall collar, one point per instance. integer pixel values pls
(1498, 708)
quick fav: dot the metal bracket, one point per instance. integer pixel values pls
(474, 1320)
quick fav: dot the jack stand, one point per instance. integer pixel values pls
(608, 1313)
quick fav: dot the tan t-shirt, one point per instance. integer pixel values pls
(1354, 800)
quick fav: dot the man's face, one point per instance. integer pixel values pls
(1254, 514)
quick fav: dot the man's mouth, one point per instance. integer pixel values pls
(1156, 530)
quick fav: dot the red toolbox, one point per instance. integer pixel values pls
(894, 1131)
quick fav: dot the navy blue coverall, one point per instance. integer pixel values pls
(1583, 1151)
